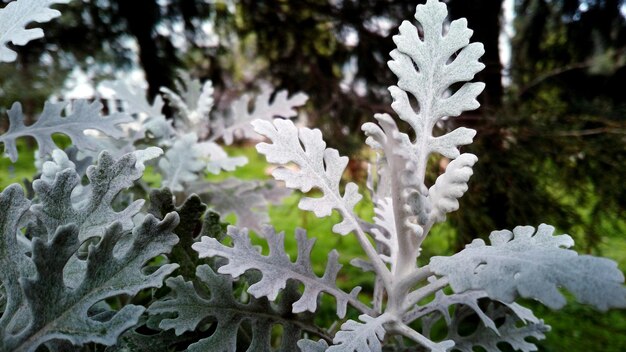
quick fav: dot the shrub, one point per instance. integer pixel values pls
(82, 262)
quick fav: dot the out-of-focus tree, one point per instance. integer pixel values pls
(102, 36)
(558, 125)
(561, 131)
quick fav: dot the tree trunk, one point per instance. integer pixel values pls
(141, 17)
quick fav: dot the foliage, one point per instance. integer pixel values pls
(19, 14)
(83, 262)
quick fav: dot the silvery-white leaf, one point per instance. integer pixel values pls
(319, 167)
(524, 314)
(14, 18)
(219, 159)
(193, 102)
(386, 233)
(509, 332)
(360, 336)
(84, 116)
(135, 99)
(150, 115)
(239, 124)
(397, 173)
(14, 263)
(80, 163)
(60, 312)
(307, 345)
(183, 162)
(106, 180)
(277, 268)
(60, 162)
(144, 155)
(443, 302)
(191, 308)
(248, 200)
(533, 265)
(426, 68)
(450, 186)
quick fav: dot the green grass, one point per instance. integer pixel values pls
(576, 328)
(11, 173)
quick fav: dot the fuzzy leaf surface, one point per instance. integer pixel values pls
(533, 265)
(442, 303)
(13, 262)
(307, 345)
(426, 67)
(84, 116)
(14, 18)
(509, 331)
(229, 313)
(277, 268)
(136, 103)
(106, 180)
(360, 336)
(193, 103)
(239, 124)
(450, 186)
(318, 167)
(187, 158)
(248, 200)
(60, 312)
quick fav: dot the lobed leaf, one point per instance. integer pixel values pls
(363, 336)
(442, 303)
(248, 200)
(426, 67)
(106, 180)
(533, 265)
(319, 167)
(136, 103)
(84, 116)
(277, 268)
(190, 308)
(193, 103)
(14, 18)
(240, 118)
(14, 263)
(508, 332)
(307, 345)
(450, 186)
(54, 311)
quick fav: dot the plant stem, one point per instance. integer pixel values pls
(406, 331)
(414, 277)
(414, 297)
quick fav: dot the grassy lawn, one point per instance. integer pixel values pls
(575, 328)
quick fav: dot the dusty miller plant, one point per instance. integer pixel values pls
(485, 279)
(84, 266)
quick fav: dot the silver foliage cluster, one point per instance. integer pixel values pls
(16, 16)
(55, 278)
(190, 143)
(485, 280)
(69, 252)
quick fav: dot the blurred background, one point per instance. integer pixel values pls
(551, 129)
